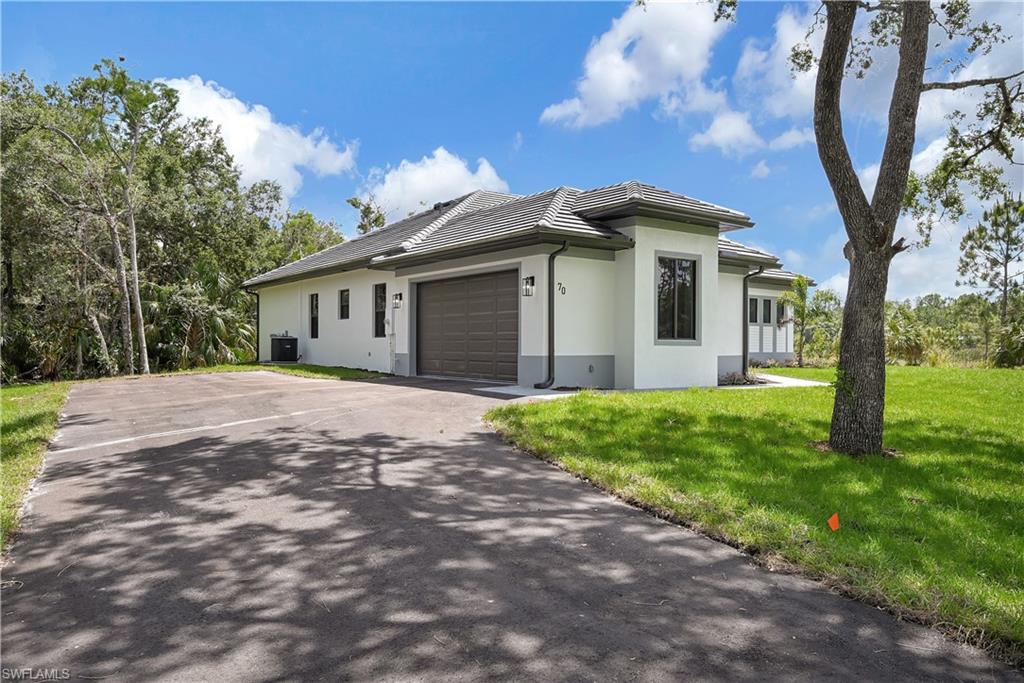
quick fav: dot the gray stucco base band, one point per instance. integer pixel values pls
(779, 356)
(402, 366)
(729, 364)
(570, 371)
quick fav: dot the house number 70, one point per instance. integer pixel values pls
(561, 288)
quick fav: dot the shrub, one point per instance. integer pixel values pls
(1010, 346)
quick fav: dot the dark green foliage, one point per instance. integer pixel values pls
(371, 215)
(87, 167)
(993, 252)
(1010, 346)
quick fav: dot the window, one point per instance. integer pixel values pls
(342, 304)
(780, 311)
(380, 307)
(314, 316)
(752, 311)
(766, 311)
(677, 298)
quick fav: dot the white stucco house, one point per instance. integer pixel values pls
(626, 286)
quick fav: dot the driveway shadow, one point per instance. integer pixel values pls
(334, 549)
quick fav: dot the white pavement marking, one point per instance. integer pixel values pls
(188, 430)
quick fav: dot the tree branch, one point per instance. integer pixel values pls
(899, 140)
(972, 83)
(828, 122)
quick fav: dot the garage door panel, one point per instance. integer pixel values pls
(469, 327)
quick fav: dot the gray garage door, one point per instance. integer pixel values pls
(469, 327)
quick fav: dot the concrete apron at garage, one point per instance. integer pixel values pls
(258, 526)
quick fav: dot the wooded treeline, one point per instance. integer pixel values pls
(126, 232)
(932, 330)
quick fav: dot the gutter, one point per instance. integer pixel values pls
(744, 320)
(551, 318)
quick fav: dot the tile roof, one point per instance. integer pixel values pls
(613, 199)
(731, 249)
(483, 216)
(781, 275)
(550, 212)
(389, 238)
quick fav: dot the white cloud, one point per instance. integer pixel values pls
(764, 72)
(517, 141)
(794, 137)
(792, 258)
(819, 211)
(868, 177)
(760, 170)
(660, 50)
(731, 133)
(923, 162)
(416, 185)
(838, 283)
(764, 78)
(264, 149)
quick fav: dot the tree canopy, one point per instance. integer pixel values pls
(127, 232)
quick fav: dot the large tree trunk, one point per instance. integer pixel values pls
(857, 415)
(126, 314)
(136, 298)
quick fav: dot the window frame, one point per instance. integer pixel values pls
(314, 315)
(698, 268)
(344, 304)
(767, 306)
(780, 312)
(383, 312)
(756, 311)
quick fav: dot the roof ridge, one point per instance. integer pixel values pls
(634, 190)
(548, 217)
(464, 206)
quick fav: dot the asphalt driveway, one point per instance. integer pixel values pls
(263, 527)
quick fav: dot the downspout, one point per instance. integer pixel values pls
(257, 295)
(551, 318)
(745, 321)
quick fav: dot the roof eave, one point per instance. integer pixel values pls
(519, 239)
(634, 207)
(735, 260)
(309, 274)
(782, 278)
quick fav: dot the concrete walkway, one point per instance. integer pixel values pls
(260, 527)
(777, 382)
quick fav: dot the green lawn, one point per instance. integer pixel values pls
(28, 414)
(936, 534)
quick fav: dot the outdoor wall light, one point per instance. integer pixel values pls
(528, 286)
(396, 300)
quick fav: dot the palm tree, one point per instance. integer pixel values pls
(796, 300)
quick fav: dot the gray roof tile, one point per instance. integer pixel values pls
(606, 200)
(485, 216)
(381, 241)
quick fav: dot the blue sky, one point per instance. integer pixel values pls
(419, 102)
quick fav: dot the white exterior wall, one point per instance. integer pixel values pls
(350, 342)
(625, 311)
(729, 314)
(585, 312)
(776, 340)
(606, 315)
(667, 364)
